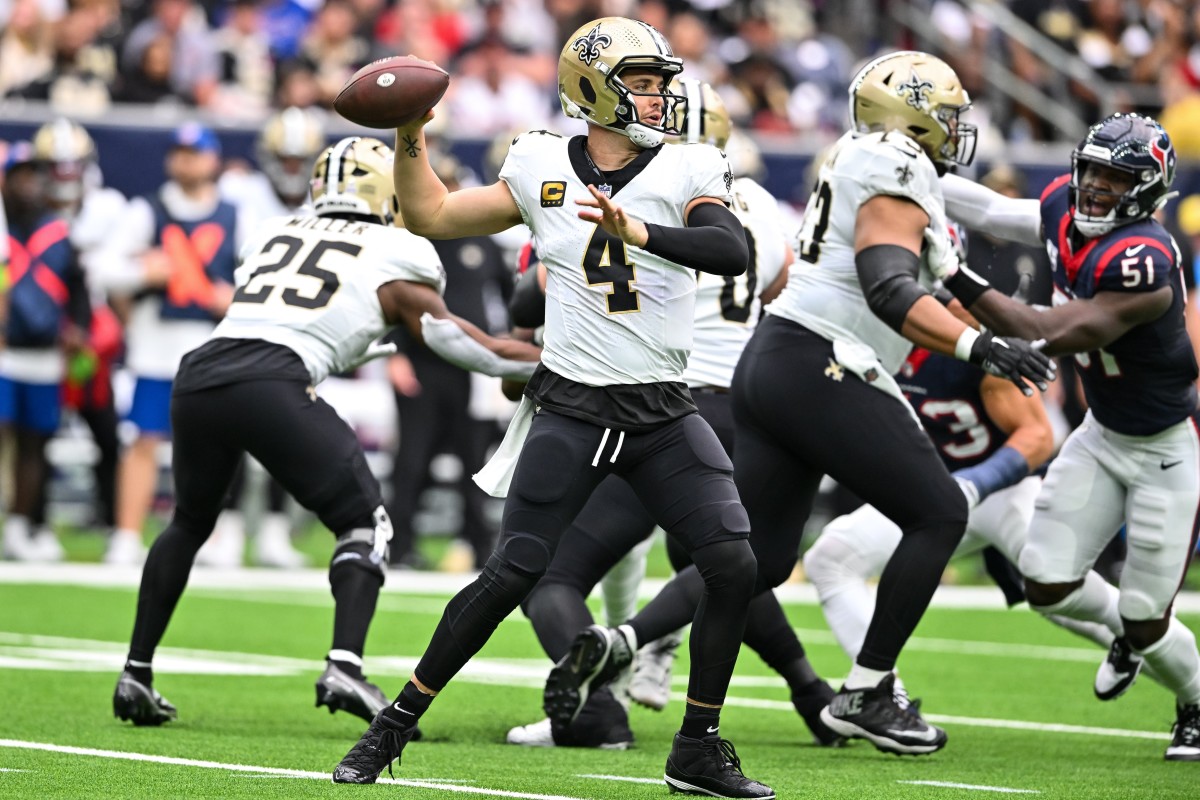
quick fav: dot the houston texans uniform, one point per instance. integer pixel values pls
(1136, 457)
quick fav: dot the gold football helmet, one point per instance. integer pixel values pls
(69, 151)
(703, 119)
(287, 145)
(589, 77)
(354, 177)
(920, 96)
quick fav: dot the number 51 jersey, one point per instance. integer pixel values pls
(309, 284)
(615, 314)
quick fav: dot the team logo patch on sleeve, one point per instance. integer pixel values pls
(553, 193)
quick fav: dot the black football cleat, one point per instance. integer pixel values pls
(710, 767)
(140, 704)
(341, 692)
(1185, 735)
(378, 748)
(875, 714)
(808, 704)
(1118, 671)
(597, 655)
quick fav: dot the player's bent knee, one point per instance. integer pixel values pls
(1050, 599)
(355, 551)
(728, 566)
(1138, 605)
(830, 561)
(526, 554)
(199, 526)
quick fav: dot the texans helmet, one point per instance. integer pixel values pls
(1134, 144)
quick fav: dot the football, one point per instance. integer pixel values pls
(392, 92)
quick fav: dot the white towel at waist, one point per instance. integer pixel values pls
(862, 361)
(497, 473)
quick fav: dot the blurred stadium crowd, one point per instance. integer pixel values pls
(781, 66)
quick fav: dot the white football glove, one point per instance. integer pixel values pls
(374, 350)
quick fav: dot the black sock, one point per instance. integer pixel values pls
(700, 721)
(353, 670)
(164, 577)
(410, 704)
(355, 590)
(143, 675)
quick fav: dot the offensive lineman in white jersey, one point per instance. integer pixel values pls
(609, 395)
(813, 393)
(312, 294)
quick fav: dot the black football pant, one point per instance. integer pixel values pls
(301, 441)
(800, 416)
(608, 527)
(679, 473)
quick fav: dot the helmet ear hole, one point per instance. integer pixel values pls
(587, 90)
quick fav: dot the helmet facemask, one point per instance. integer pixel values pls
(354, 178)
(593, 78)
(1136, 148)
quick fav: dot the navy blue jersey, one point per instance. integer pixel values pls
(945, 393)
(1143, 382)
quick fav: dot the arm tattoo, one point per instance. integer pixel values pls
(410, 147)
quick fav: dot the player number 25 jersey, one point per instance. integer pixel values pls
(823, 293)
(615, 314)
(309, 284)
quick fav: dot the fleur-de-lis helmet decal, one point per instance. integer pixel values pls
(920, 96)
(589, 46)
(590, 82)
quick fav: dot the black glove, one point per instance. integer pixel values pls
(1014, 359)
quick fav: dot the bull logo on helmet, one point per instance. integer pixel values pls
(589, 46)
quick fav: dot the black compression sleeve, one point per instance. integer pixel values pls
(888, 275)
(713, 241)
(527, 309)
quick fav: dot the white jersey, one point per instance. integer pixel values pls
(823, 293)
(727, 307)
(309, 284)
(615, 314)
(254, 197)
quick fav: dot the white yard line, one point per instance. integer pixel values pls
(623, 779)
(429, 583)
(264, 771)
(972, 787)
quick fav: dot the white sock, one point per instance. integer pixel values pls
(863, 678)
(347, 656)
(1095, 601)
(17, 528)
(126, 533)
(1176, 662)
(848, 613)
(274, 529)
(1100, 634)
(620, 586)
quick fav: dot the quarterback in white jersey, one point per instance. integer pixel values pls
(621, 222)
(311, 295)
(813, 393)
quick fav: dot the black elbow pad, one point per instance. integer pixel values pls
(527, 309)
(888, 276)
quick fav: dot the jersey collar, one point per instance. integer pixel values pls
(587, 171)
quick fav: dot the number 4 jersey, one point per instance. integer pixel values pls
(309, 284)
(1144, 381)
(615, 314)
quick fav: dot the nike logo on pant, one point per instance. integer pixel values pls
(1165, 465)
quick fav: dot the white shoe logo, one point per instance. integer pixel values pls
(401, 710)
(713, 729)
(928, 735)
(1133, 251)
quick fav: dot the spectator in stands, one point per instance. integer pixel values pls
(333, 48)
(85, 68)
(174, 253)
(26, 47)
(149, 81)
(492, 94)
(193, 59)
(297, 86)
(47, 316)
(421, 27)
(246, 73)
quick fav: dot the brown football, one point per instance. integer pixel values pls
(392, 92)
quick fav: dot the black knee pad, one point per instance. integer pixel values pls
(524, 554)
(353, 552)
(729, 566)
